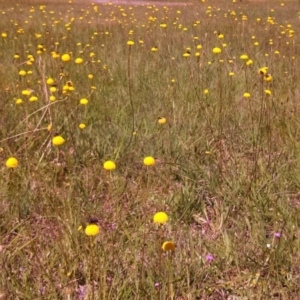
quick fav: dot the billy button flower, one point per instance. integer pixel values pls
(78, 61)
(168, 246)
(109, 165)
(216, 50)
(22, 73)
(187, 53)
(263, 71)
(84, 101)
(160, 218)
(53, 88)
(244, 57)
(268, 92)
(161, 120)
(247, 95)
(33, 98)
(268, 77)
(92, 230)
(66, 57)
(149, 161)
(11, 163)
(58, 140)
(50, 81)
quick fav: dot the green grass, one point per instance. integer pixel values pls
(227, 168)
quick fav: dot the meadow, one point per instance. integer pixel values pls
(149, 151)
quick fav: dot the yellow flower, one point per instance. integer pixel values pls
(263, 70)
(58, 140)
(92, 230)
(22, 73)
(231, 74)
(84, 101)
(217, 50)
(78, 60)
(53, 89)
(154, 49)
(52, 98)
(90, 76)
(33, 98)
(26, 92)
(11, 163)
(109, 165)
(206, 91)
(162, 120)
(49, 81)
(249, 62)
(81, 125)
(160, 217)
(247, 95)
(149, 161)
(19, 101)
(268, 77)
(244, 57)
(66, 57)
(268, 92)
(168, 246)
(130, 43)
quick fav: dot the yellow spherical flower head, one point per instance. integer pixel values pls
(247, 95)
(109, 165)
(263, 70)
(66, 57)
(149, 161)
(22, 72)
(130, 43)
(92, 230)
(268, 77)
(33, 98)
(162, 120)
(52, 98)
(244, 57)
(78, 60)
(168, 246)
(217, 50)
(268, 92)
(58, 140)
(12, 163)
(160, 218)
(49, 81)
(81, 125)
(84, 101)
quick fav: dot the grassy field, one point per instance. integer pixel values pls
(208, 93)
